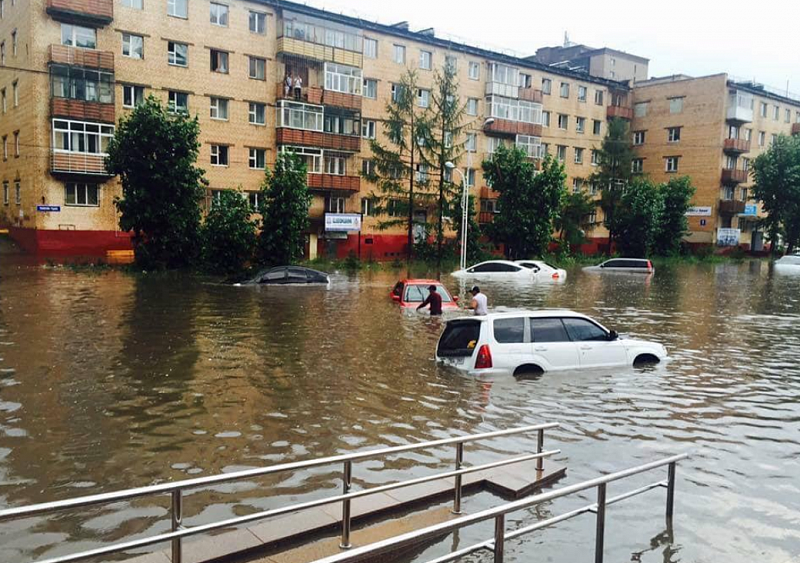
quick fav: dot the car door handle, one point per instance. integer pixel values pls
(541, 348)
(586, 347)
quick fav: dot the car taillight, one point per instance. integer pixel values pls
(484, 359)
(649, 265)
(555, 276)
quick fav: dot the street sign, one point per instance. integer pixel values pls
(728, 237)
(48, 208)
(698, 212)
(342, 222)
(750, 210)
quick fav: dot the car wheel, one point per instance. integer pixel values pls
(528, 371)
(643, 360)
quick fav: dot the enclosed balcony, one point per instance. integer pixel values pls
(79, 147)
(795, 128)
(91, 12)
(512, 128)
(334, 182)
(320, 96)
(347, 143)
(485, 217)
(736, 146)
(731, 206)
(731, 176)
(740, 107)
(321, 40)
(531, 95)
(619, 112)
(81, 110)
(82, 93)
(73, 56)
(77, 163)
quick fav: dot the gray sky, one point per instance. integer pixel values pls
(752, 39)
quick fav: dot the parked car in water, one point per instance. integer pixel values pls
(788, 264)
(543, 270)
(412, 292)
(495, 269)
(538, 341)
(288, 275)
(624, 265)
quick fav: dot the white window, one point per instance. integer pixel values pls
(547, 86)
(257, 68)
(335, 165)
(219, 109)
(81, 137)
(472, 142)
(178, 8)
(762, 137)
(745, 164)
(545, 119)
(515, 110)
(136, 4)
(132, 95)
(578, 155)
(597, 127)
(311, 156)
(219, 14)
(581, 93)
(4, 101)
(563, 121)
(177, 54)
(470, 177)
(17, 193)
(219, 155)
(425, 58)
(367, 207)
(132, 46)
(423, 98)
(343, 78)
(257, 113)
(595, 158)
(525, 80)
(16, 144)
(774, 138)
(564, 90)
(5, 147)
(748, 135)
(421, 173)
(674, 134)
(14, 50)
(81, 195)
(297, 115)
(640, 109)
(576, 185)
(531, 145)
(638, 137)
(368, 129)
(367, 167)
(219, 61)
(763, 109)
(492, 143)
(370, 48)
(675, 105)
(396, 91)
(561, 153)
(258, 159)
(474, 70)
(637, 165)
(178, 102)
(5, 193)
(252, 199)
(399, 54)
(730, 162)
(580, 125)
(370, 88)
(448, 140)
(472, 106)
(776, 113)
(788, 117)
(257, 22)
(334, 204)
(671, 163)
(598, 97)
(3, 53)
(15, 91)
(77, 36)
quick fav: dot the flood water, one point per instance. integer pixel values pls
(110, 380)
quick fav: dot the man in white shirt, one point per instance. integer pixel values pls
(298, 86)
(479, 302)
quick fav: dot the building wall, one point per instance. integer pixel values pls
(616, 66)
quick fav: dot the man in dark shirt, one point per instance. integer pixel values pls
(434, 300)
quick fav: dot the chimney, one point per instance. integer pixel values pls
(401, 25)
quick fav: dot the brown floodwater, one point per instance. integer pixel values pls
(110, 380)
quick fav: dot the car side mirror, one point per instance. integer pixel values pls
(455, 298)
(395, 297)
(602, 265)
(613, 335)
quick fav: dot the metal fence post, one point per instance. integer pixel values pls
(670, 489)
(177, 519)
(540, 449)
(499, 537)
(459, 463)
(347, 484)
(601, 523)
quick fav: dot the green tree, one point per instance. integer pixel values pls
(154, 153)
(676, 196)
(574, 218)
(528, 202)
(613, 172)
(777, 187)
(284, 201)
(228, 234)
(637, 217)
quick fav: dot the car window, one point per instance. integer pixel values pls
(398, 288)
(529, 265)
(415, 294)
(443, 294)
(550, 266)
(614, 264)
(296, 274)
(548, 330)
(581, 330)
(495, 267)
(508, 331)
(790, 260)
(276, 274)
(459, 338)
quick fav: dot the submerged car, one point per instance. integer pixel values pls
(624, 265)
(495, 269)
(788, 264)
(288, 275)
(538, 341)
(543, 270)
(412, 292)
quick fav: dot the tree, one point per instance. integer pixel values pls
(154, 153)
(284, 201)
(228, 234)
(614, 172)
(574, 218)
(777, 187)
(528, 202)
(637, 217)
(676, 196)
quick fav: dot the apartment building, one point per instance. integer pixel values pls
(69, 69)
(711, 128)
(605, 62)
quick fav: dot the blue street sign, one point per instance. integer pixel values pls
(48, 208)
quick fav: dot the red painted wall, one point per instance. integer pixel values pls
(70, 243)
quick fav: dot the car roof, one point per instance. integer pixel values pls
(415, 281)
(531, 261)
(494, 262)
(526, 312)
(626, 258)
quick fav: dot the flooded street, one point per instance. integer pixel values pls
(110, 380)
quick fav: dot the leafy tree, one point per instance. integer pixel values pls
(614, 172)
(637, 217)
(676, 196)
(777, 187)
(528, 202)
(154, 153)
(284, 201)
(573, 220)
(228, 234)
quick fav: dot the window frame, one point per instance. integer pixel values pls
(252, 113)
(172, 9)
(370, 53)
(218, 108)
(172, 105)
(252, 161)
(131, 54)
(425, 57)
(476, 66)
(133, 90)
(218, 56)
(86, 189)
(220, 153)
(670, 159)
(222, 16)
(399, 52)
(256, 19)
(173, 55)
(253, 64)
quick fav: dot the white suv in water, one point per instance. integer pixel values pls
(538, 341)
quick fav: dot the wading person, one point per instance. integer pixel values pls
(434, 300)
(479, 302)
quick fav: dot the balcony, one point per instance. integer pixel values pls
(731, 206)
(512, 128)
(531, 95)
(620, 112)
(318, 139)
(81, 110)
(485, 217)
(313, 51)
(739, 114)
(795, 128)
(502, 89)
(334, 182)
(488, 193)
(63, 162)
(736, 146)
(93, 12)
(322, 97)
(89, 58)
(732, 176)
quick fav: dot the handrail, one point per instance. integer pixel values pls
(176, 490)
(498, 514)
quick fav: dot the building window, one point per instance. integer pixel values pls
(310, 156)
(77, 36)
(730, 162)
(5, 193)
(81, 137)
(368, 129)
(370, 48)
(3, 100)
(367, 207)
(545, 119)
(132, 46)
(219, 14)
(219, 61)
(17, 192)
(343, 78)
(423, 98)
(370, 88)
(776, 113)
(297, 115)
(257, 113)
(788, 117)
(16, 144)
(763, 109)
(674, 134)
(257, 22)
(472, 142)
(638, 137)
(5, 147)
(474, 70)
(748, 135)
(595, 158)
(564, 90)
(451, 62)
(368, 167)
(581, 93)
(561, 153)
(79, 194)
(334, 204)
(640, 109)
(578, 155)
(178, 102)
(598, 97)
(258, 159)
(563, 121)
(252, 200)
(580, 125)
(219, 109)
(258, 68)
(399, 54)
(576, 185)
(136, 4)
(177, 54)
(15, 92)
(14, 48)
(3, 53)
(547, 86)
(336, 165)
(178, 8)
(762, 138)
(425, 58)
(219, 155)
(671, 163)
(396, 91)
(773, 139)
(80, 83)
(472, 106)
(637, 165)
(132, 95)
(515, 110)
(342, 124)
(525, 80)
(597, 127)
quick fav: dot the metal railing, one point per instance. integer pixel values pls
(496, 544)
(179, 531)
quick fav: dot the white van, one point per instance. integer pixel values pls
(538, 341)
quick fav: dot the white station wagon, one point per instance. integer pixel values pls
(538, 341)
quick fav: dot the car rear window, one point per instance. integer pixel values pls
(529, 265)
(509, 331)
(494, 267)
(418, 293)
(459, 338)
(548, 330)
(622, 263)
(581, 330)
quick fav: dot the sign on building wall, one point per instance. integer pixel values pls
(698, 212)
(728, 237)
(48, 208)
(342, 222)
(750, 210)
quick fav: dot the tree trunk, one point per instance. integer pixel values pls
(410, 238)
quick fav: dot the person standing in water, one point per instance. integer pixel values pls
(434, 300)
(479, 302)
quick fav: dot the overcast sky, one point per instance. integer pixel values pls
(753, 39)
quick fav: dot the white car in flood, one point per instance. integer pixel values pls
(538, 341)
(495, 269)
(543, 270)
(789, 264)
